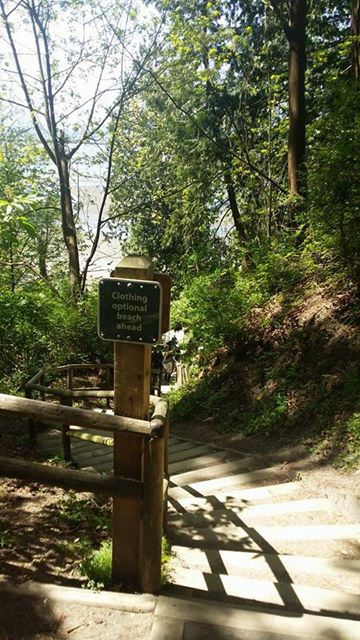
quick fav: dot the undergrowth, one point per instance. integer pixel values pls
(292, 374)
(92, 518)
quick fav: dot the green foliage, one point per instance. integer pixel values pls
(7, 539)
(96, 566)
(193, 395)
(40, 329)
(334, 191)
(214, 306)
(77, 511)
(267, 415)
(165, 561)
(350, 455)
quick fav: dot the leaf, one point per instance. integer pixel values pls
(26, 226)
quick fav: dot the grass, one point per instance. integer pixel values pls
(88, 516)
(7, 539)
(88, 512)
(97, 564)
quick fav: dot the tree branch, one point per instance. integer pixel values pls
(30, 105)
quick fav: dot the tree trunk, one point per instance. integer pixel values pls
(67, 218)
(355, 32)
(296, 35)
(41, 249)
(234, 207)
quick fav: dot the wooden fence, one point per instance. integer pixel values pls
(64, 389)
(150, 491)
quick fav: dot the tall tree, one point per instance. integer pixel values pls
(293, 19)
(355, 33)
(78, 83)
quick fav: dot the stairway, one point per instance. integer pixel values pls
(257, 555)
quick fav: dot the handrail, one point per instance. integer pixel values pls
(60, 414)
(72, 393)
(69, 478)
(80, 365)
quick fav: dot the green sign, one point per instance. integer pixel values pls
(130, 310)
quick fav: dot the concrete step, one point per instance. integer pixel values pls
(310, 509)
(328, 573)
(198, 462)
(217, 471)
(241, 620)
(180, 446)
(268, 593)
(231, 482)
(234, 497)
(185, 453)
(227, 535)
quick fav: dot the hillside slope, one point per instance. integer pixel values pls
(291, 379)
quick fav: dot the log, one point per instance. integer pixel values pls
(83, 435)
(158, 419)
(153, 504)
(72, 393)
(35, 378)
(48, 413)
(92, 393)
(50, 391)
(66, 443)
(81, 365)
(31, 423)
(165, 501)
(70, 479)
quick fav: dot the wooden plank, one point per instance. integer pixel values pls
(46, 412)
(69, 479)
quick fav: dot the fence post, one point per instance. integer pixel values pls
(132, 370)
(69, 378)
(66, 442)
(150, 576)
(30, 421)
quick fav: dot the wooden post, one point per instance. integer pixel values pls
(108, 385)
(132, 370)
(66, 442)
(150, 574)
(166, 473)
(69, 378)
(42, 382)
(31, 421)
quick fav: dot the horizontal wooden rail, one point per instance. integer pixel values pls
(35, 378)
(70, 479)
(59, 414)
(158, 418)
(72, 393)
(84, 435)
(81, 365)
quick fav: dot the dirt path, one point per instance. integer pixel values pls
(33, 619)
